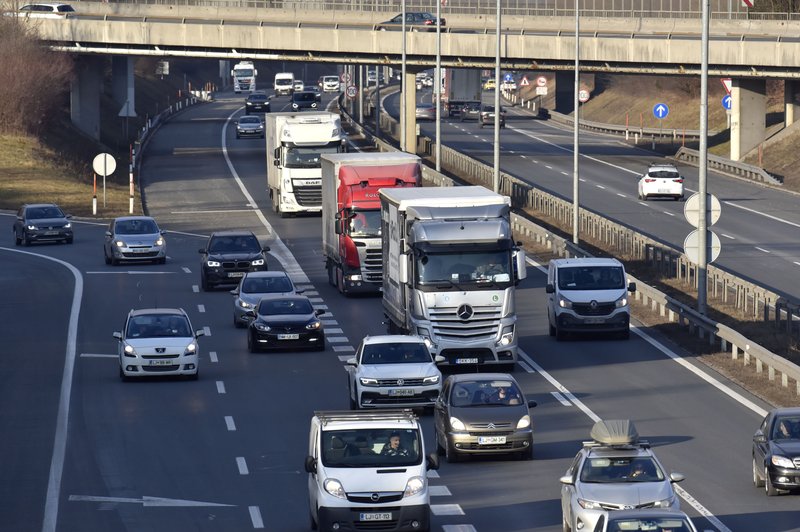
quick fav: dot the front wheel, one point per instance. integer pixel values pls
(769, 488)
(757, 482)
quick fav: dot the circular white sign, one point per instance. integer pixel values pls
(691, 246)
(351, 91)
(104, 164)
(691, 210)
(541, 81)
(583, 96)
(345, 77)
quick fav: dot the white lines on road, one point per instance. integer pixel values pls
(534, 161)
(207, 331)
(797, 263)
(582, 180)
(344, 358)
(329, 322)
(97, 355)
(526, 367)
(186, 270)
(668, 213)
(201, 308)
(439, 491)
(548, 167)
(621, 195)
(600, 186)
(761, 214)
(432, 474)
(337, 340)
(446, 509)
(333, 330)
(728, 236)
(458, 528)
(229, 423)
(310, 293)
(242, 465)
(255, 517)
(561, 399)
(762, 249)
(343, 348)
(511, 152)
(564, 173)
(220, 387)
(523, 156)
(213, 356)
(195, 289)
(642, 203)
(321, 307)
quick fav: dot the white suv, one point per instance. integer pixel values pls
(394, 371)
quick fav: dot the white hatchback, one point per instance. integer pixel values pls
(46, 10)
(661, 181)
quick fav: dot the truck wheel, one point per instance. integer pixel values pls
(340, 281)
(331, 278)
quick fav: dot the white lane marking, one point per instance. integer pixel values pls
(195, 288)
(771, 217)
(229, 423)
(523, 156)
(329, 322)
(798, 263)
(446, 509)
(511, 152)
(621, 195)
(333, 330)
(564, 173)
(207, 331)
(201, 308)
(432, 474)
(344, 358)
(642, 203)
(728, 236)
(242, 465)
(97, 355)
(304, 286)
(337, 339)
(582, 180)
(439, 491)
(315, 299)
(534, 161)
(762, 249)
(600, 186)
(310, 293)
(220, 387)
(668, 213)
(343, 348)
(548, 167)
(255, 517)
(186, 270)
(458, 528)
(526, 367)
(694, 503)
(561, 399)
(321, 307)
(146, 501)
(213, 356)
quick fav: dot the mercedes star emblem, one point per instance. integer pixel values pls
(465, 312)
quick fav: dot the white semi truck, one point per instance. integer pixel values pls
(244, 76)
(450, 269)
(295, 143)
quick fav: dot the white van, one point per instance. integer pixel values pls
(586, 295)
(284, 83)
(330, 83)
(368, 470)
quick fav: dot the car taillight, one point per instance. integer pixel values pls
(428, 22)
(649, 180)
(677, 180)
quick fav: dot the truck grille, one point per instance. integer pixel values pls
(483, 325)
(308, 196)
(372, 268)
(601, 309)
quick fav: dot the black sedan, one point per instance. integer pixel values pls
(302, 101)
(285, 322)
(228, 255)
(483, 413)
(776, 451)
(257, 102)
(42, 222)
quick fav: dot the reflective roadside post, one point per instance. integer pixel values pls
(575, 156)
(496, 179)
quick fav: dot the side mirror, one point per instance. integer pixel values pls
(117, 335)
(68, 217)
(676, 477)
(276, 153)
(759, 437)
(298, 292)
(549, 288)
(567, 480)
(532, 404)
(319, 312)
(631, 287)
(251, 313)
(235, 122)
(108, 233)
(311, 464)
(202, 251)
(403, 269)
(522, 266)
(432, 462)
(265, 249)
(199, 332)
(439, 359)
(162, 232)
(337, 226)
(235, 292)
(352, 362)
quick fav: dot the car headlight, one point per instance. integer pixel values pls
(414, 486)
(262, 326)
(508, 336)
(160, 242)
(524, 422)
(31, 227)
(665, 503)
(212, 264)
(244, 304)
(368, 381)
(119, 243)
(260, 126)
(314, 104)
(68, 225)
(258, 262)
(621, 302)
(190, 349)
(431, 380)
(294, 106)
(589, 505)
(335, 488)
(782, 461)
(563, 302)
(457, 424)
(129, 350)
(314, 325)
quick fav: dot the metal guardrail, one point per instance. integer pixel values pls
(624, 241)
(727, 166)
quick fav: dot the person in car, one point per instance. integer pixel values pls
(504, 396)
(393, 447)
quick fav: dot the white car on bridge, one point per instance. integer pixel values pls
(661, 181)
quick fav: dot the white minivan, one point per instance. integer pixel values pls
(588, 295)
(284, 83)
(368, 471)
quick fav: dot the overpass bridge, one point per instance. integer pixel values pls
(749, 51)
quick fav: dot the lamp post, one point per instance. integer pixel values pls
(496, 177)
(403, 120)
(437, 85)
(702, 225)
(575, 156)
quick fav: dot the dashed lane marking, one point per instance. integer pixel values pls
(186, 270)
(220, 387)
(229, 423)
(333, 330)
(561, 399)
(207, 331)
(439, 491)
(458, 528)
(242, 465)
(329, 322)
(337, 339)
(764, 250)
(201, 308)
(195, 288)
(255, 517)
(446, 509)
(213, 356)
(97, 355)
(433, 474)
(526, 367)
(344, 358)
(728, 236)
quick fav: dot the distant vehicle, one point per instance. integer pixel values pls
(257, 102)
(244, 76)
(302, 101)
(776, 451)
(372, 76)
(393, 371)
(461, 86)
(487, 116)
(483, 413)
(661, 181)
(135, 239)
(53, 10)
(158, 341)
(645, 519)
(426, 111)
(315, 90)
(284, 83)
(42, 222)
(613, 472)
(298, 85)
(509, 85)
(249, 126)
(415, 21)
(490, 85)
(228, 256)
(470, 111)
(285, 322)
(253, 287)
(330, 84)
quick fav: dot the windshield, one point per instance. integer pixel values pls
(44, 212)
(158, 326)
(249, 120)
(371, 448)
(482, 393)
(591, 278)
(243, 72)
(136, 227)
(284, 82)
(266, 285)
(621, 469)
(330, 79)
(399, 353)
(648, 524)
(276, 307)
(234, 244)
(786, 428)
(664, 174)
(365, 223)
(463, 267)
(258, 98)
(304, 97)
(308, 157)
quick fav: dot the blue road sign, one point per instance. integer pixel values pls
(509, 77)
(660, 110)
(727, 102)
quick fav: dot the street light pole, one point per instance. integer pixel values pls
(403, 117)
(437, 86)
(576, 114)
(702, 225)
(496, 179)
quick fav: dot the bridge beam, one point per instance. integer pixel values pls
(748, 115)
(565, 91)
(791, 109)
(122, 89)
(84, 96)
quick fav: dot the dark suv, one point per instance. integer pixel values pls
(304, 100)
(228, 255)
(257, 102)
(487, 116)
(42, 222)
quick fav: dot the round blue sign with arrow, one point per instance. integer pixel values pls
(660, 110)
(727, 102)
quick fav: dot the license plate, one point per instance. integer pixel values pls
(288, 336)
(161, 362)
(401, 391)
(491, 440)
(50, 233)
(376, 516)
(140, 250)
(663, 191)
(470, 360)
(235, 274)
(593, 320)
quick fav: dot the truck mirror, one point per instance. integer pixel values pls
(337, 226)
(403, 269)
(311, 464)
(522, 266)
(432, 462)
(276, 162)
(631, 287)
(549, 289)
(277, 153)
(255, 72)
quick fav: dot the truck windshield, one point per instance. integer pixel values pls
(371, 447)
(243, 72)
(308, 156)
(483, 267)
(284, 82)
(365, 223)
(591, 278)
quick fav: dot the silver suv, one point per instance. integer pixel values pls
(614, 471)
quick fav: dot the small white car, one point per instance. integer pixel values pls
(158, 341)
(46, 10)
(297, 85)
(661, 181)
(394, 371)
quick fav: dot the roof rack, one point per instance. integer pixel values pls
(327, 416)
(615, 432)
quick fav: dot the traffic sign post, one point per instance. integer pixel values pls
(541, 81)
(351, 92)
(691, 210)
(345, 77)
(524, 81)
(691, 246)
(583, 96)
(660, 111)
(727, 102)
(104, 164)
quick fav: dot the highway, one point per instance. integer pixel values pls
(225, 452)
(758, 227)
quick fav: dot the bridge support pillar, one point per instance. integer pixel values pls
(409, 144)
(565, 91)
(790, 102)
(84, 96)
(225, 73)
(748, 115)
(122, 90)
